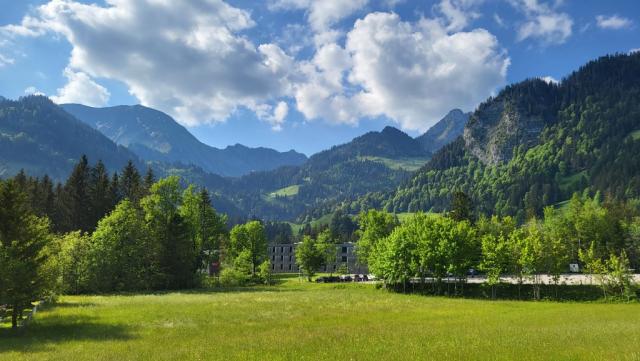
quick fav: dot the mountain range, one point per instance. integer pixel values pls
(532, 145)
(155, 136)
(43, 138)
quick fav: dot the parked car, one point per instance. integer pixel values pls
(345, 278)
(360, 278)
(327, 279)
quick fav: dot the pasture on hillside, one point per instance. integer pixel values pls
(296, 320)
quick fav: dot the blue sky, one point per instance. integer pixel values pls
(300, 74)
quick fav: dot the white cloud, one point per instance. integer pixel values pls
(543, 22)
(499, 21)
(273, 115)
(186, 58)
(322, 15)
(32, 91)
(80, 88)
(550, 80)
(192, 60)
(458, 13)
(614, 22)
(634, 50)
(413, 73)
(5, 60)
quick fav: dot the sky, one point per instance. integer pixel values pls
(300, 74)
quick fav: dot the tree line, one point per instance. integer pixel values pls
(602, 237)
(94, 235)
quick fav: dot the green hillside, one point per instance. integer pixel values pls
(535, 144)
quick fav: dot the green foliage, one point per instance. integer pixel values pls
(75, 262)
(250, 239)
(23, 256)
(264, 272)
(311, 255)
(374, 226)
(231, 277)
(495, 234)
(121, 254)
(461, 207)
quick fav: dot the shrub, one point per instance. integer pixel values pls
(230, 277)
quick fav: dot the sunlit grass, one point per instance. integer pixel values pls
(408, 164)
(300, 321)
(289, 191)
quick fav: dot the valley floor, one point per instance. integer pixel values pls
(296, 320)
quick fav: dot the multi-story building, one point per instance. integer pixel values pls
(283, 259)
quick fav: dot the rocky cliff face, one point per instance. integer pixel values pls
(508, 122)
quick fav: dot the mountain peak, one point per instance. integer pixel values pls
(444, 131)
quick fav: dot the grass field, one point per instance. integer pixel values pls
(408, 164)
(289, 191)
(300, 321)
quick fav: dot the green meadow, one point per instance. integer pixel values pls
(295, 320)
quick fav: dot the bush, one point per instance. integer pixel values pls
(230, 277)
(264, 272)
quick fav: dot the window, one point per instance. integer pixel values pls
(281, 249)
(281, 258)
(273, 249)
(290, 258)
(290, 249)
(281, 266)
(344, 258)
(273, 266)
(344, 249)
(289, 267)
(273, 258)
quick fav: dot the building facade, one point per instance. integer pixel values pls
(283, 259)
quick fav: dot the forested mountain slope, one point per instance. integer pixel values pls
(38, 136)
(155, 136)
(535, 144)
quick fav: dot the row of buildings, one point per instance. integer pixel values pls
(283, 259)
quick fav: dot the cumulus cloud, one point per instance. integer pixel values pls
(412, 73)
(186, 58)
(193, 60)
(614, 22)
(543, 22)
(80, 88)
(274, 115)
(550, 80)
(322, 15)
(458, 13)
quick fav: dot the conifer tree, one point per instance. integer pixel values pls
(23, 237)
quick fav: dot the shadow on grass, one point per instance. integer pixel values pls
(511, 292)
(49, 332)
(63, 304)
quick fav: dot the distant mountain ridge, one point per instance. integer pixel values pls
(155, 136)
(43, 138)
(38, 136)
